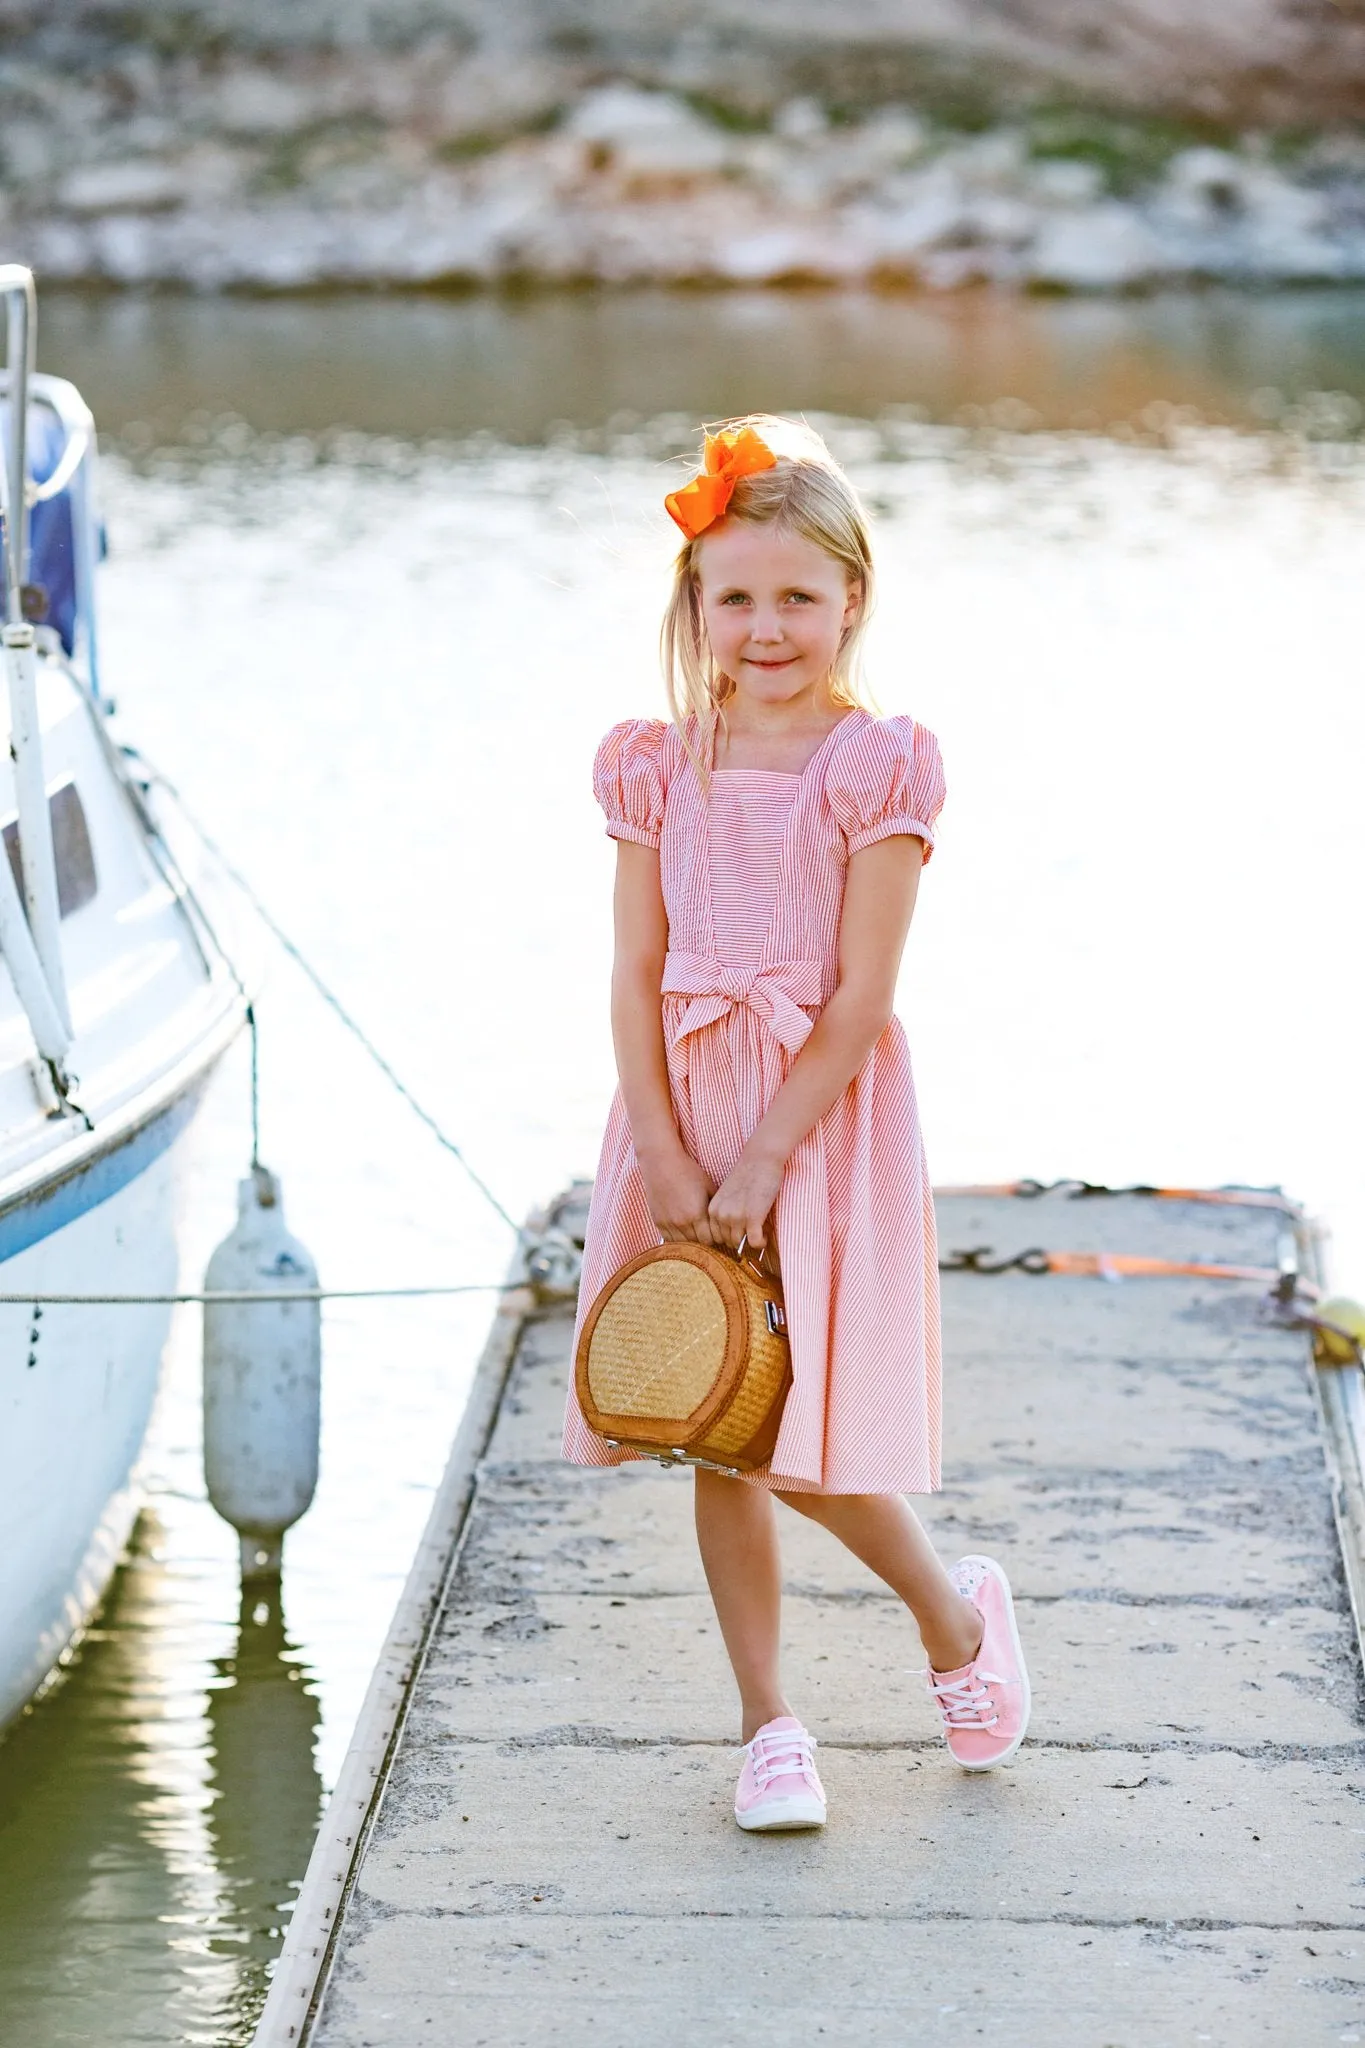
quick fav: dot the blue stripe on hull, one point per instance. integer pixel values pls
(48, 1209)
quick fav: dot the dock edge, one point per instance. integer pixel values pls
(300, 1976)
(1340, 1394)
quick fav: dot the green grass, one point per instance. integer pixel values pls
(459, 149)
(1128, 151)
(727, 114)
(293, 159)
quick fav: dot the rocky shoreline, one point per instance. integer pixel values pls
(512, 175)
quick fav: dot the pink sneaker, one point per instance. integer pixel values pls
(985, 1704)
(779, 1787)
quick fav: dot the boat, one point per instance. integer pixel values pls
(117, 1001)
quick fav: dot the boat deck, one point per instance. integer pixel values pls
(1175, 1855)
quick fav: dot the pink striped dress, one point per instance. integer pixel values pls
(753, 884)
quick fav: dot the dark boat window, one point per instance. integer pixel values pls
(75, 857)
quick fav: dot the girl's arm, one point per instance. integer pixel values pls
(675, 1187)
(879, 901)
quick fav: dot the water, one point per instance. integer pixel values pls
(377, 661)
(517, 367)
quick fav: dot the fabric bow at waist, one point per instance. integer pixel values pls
(775, 993)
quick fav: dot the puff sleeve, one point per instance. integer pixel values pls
(887, 779)
(628, 782)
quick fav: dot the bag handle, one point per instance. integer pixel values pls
(755, 1265)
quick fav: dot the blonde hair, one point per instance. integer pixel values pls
(808, 494)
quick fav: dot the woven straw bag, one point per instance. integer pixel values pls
(684, 1357)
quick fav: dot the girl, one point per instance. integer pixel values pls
(770, 846)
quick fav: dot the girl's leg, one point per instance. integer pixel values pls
(737, 1537)
(884, 1531)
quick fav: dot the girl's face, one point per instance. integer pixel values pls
(776, 607)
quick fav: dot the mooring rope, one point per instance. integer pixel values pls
(333, 1002)
(1037, 1261)
(1075, 1265)
(255, 1087)
(255, 1294)
(1079, 1190)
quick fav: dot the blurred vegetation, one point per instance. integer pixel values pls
(1129, 151)
(477, 142)
(299, 156)
(731, 115)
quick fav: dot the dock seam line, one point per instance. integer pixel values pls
(929, 1745)
(1197, 1924)
(1269, 1603)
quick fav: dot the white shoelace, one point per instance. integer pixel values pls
(967, 1702)
(783, 1754)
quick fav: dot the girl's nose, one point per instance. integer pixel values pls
(766, 627)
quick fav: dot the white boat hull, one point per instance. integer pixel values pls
(111, 924)
(77, 1386)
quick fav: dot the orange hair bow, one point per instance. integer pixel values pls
(726, 458)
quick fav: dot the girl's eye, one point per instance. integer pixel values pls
(800, 597)
(734, 597)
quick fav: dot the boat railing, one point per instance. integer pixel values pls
(30, 929)
(71, 477)
(21, 319)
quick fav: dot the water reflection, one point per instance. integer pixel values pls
(156, 1814)
(516, 368)
(263, 1725)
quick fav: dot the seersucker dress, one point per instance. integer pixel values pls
(753, 884)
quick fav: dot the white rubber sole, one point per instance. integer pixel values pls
(975, 1557)
(783, 1816)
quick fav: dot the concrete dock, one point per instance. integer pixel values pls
(1175, 1856)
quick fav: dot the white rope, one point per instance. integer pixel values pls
(254, 1294)
(333, 1001)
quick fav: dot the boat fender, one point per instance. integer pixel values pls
(262, 1378)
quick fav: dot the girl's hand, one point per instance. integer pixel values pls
(678, 1193)
(744, 1201)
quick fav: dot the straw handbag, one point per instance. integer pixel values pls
(684, 1357)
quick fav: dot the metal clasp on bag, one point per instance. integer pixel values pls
(706, 1464)
(773, 1311)
(678, 1457)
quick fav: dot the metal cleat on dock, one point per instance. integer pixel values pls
(553, 1264)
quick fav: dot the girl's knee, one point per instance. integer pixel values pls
(807, 1504)
(729, 1496)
